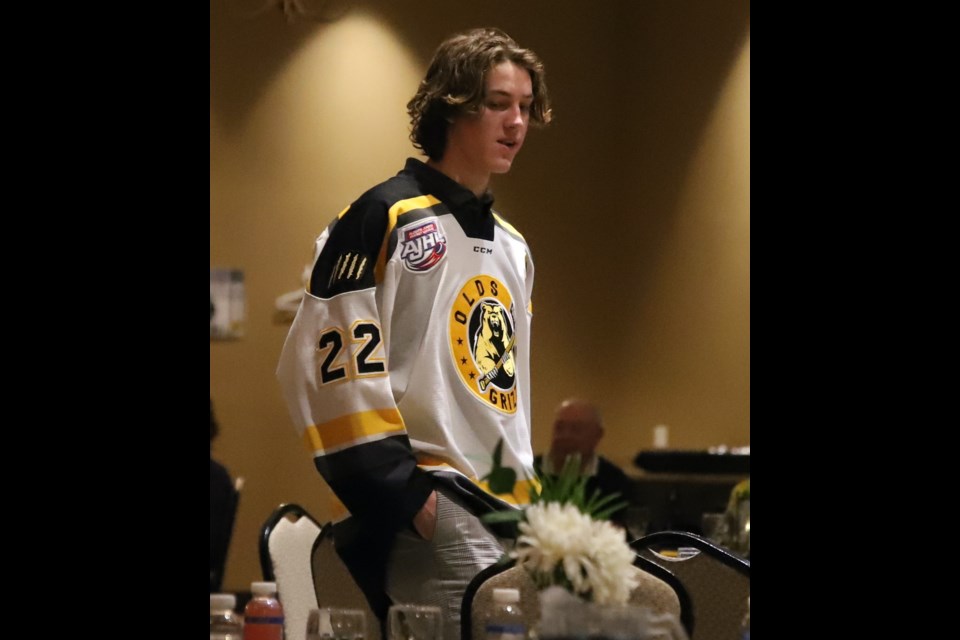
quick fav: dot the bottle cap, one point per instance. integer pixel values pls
(263, 588)
(506, 596)
(222, 601)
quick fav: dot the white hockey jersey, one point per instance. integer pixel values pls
(411, 348)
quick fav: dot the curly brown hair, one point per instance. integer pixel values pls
(456, 82)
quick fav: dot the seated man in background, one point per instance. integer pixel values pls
(578, 428)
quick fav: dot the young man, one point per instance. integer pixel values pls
(408, 360)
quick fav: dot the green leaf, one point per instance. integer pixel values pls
(511, 515)
(502, 480)
(567, 487)
(504, 560)
(498, 454)
(604, 514)
(597, 500)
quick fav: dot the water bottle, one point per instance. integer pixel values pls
(745, 624)
(505, 622)
(225, 624)
(263, 615)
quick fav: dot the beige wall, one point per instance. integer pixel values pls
(635, 203)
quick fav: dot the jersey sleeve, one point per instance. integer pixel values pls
(335, 378)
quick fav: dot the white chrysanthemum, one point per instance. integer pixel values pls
(552, 535)
(594, 556)
(613, 575)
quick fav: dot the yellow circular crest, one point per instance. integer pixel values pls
(483, 342)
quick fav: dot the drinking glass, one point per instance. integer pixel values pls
(332, 623)
(621, 622)
(714, 527)
(743, 527)
(637, 520)
(414, 622)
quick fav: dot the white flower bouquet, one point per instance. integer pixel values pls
(565, 538)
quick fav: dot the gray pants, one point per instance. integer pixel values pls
(436, 572)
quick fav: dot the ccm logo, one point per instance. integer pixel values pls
(482, 250)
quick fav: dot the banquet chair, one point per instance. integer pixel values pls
(297, 553)
(654, 593)
(224, 503)
(716, 580)
(650, 593)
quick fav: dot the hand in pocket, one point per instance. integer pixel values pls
(425, 522)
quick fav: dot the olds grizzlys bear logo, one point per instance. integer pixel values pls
(493, 346)
(424, 245)
(482, 341)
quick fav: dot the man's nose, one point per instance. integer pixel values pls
(515, 116)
